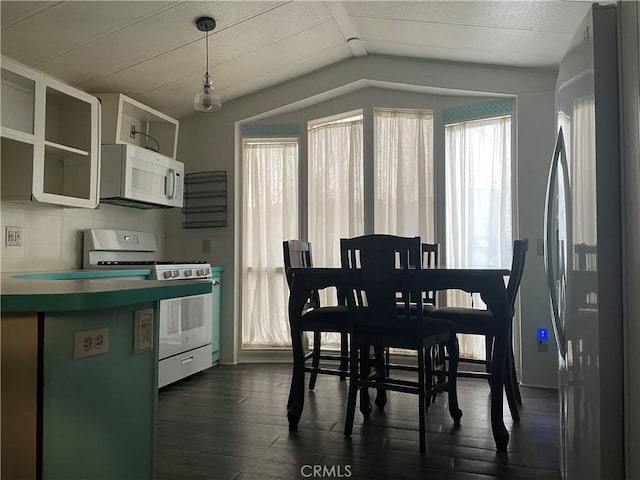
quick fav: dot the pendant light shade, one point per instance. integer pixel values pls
(206, 100)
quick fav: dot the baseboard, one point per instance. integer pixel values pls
(265, 355)
(533, 385)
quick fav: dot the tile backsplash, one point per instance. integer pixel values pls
(52, 236)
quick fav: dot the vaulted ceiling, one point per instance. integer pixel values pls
(153, 52)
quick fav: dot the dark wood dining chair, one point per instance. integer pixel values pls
(319, 319)
(430, 258)
(378, 272)
(480, 322)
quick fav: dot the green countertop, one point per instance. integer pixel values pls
(88, 290)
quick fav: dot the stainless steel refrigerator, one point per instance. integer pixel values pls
(583, 244)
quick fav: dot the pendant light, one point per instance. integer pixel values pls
(205, 100)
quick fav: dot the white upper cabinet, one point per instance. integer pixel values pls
(125, 120)
(50, 139)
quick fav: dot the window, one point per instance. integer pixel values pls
(335, 193)
(335, 186)
(269, 216)
(478, 204)
(403, 175)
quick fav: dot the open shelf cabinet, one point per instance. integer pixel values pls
(50, 139)
(121, 114)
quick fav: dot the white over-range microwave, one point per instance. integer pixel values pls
(137, 177)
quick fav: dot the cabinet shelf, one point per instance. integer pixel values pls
(52, 146)
(17, 135)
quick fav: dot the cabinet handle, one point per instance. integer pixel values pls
(186, 360)
(215, 282)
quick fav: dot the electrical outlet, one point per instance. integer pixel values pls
(143, 331)
(132, 132)
(90, 342)
(13, 236)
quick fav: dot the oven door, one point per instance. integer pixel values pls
(185, 324)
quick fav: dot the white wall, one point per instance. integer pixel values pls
(52, 236)
(210, 141)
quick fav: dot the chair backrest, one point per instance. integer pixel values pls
(586, 257)
(430, 259)
(297, 254)
(374, 267)
(520, 248)
(430, 255)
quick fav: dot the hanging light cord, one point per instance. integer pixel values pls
(157, 149)
(206, 72)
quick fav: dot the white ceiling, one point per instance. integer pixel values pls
(153, 52)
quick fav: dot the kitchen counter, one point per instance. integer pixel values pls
(89, 289)
(63, 415)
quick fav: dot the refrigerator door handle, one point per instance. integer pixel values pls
(552, 182)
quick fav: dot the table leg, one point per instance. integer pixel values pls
(295, 404)
(498, 362)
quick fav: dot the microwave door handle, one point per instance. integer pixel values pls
(171, 191)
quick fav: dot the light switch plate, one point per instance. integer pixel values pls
(143, 331)
(13, 236)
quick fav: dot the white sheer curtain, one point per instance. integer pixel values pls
(403, 178)
(335, 194)
(336, 187)
(478, 205)
(269, 216)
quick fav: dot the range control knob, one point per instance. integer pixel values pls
(168, 274)
(200, 272)
(175, 273)
(187, 273)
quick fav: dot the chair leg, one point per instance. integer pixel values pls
(365, 405)
(315, 360)
(344, 353)
(488, 354)
(514, 378)
(429, 374)
(353, 390)
(381, 370)
(421, 398)
(510, 392)
(387, 360)
(454, 355)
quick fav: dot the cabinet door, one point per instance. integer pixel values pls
(66, 171)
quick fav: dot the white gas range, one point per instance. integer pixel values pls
(185, 323)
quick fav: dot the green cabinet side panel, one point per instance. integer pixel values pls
(216, 294)
(99, 411)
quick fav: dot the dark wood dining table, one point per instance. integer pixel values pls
(489, 283)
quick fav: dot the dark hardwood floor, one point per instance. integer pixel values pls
(230, 423)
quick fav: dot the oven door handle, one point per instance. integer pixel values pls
(185, 360)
